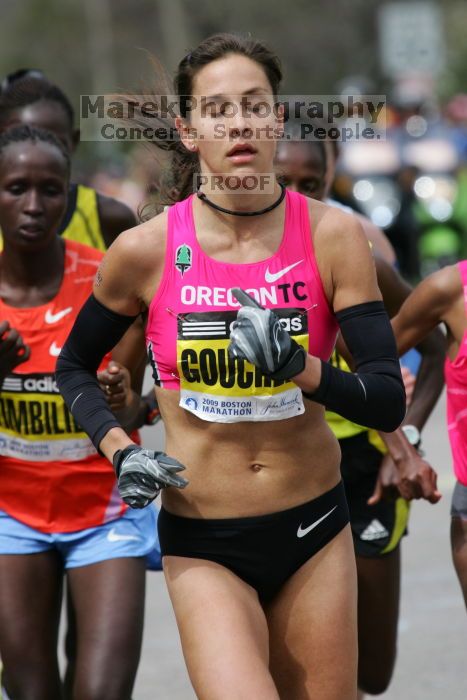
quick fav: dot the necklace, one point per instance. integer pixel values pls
(204, 199)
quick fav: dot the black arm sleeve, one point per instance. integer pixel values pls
(95, 332)
(373, 396)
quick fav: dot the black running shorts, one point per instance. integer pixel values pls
(264, 550)
(377, 529)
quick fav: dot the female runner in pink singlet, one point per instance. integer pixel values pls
(246, 291)
(442, 298)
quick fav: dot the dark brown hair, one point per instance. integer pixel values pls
(176, 181)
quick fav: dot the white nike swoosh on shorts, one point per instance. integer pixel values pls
(54, 318)
(273, 276)
(113, 536)
(301, 532)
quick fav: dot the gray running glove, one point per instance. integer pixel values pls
(143, 473)
(257, 336)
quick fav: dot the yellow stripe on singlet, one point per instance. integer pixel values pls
(85, 226)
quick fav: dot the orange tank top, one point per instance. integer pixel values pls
(51, 477)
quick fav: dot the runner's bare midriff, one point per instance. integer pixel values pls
(244, 469)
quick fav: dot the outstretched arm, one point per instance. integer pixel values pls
(430, 303)
(429, 383)
(403, 468)
(416, 325)
(121, 290)
(412, 475)
(104, 319)
(374, 395)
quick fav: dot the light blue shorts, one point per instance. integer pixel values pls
(132, 535)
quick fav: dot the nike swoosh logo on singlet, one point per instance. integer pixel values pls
(273, 276)
(301, 532)
(54, 318)
(54, 350)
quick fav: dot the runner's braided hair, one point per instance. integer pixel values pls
(24, 132)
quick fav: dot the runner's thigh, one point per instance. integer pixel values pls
(30, 602)
(378, 614)
(459, 534)
(223, 631)
(459, 551)
(313, 627)
(108, 598)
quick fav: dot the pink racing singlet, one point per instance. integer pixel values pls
(455, 372)
(190, 316)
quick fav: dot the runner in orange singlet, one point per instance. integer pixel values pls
(59, 506)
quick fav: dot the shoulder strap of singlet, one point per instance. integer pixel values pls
(181, 218)
(304, 225)
(176, 218)
(84, 225)
(87, 210)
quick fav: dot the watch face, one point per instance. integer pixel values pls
(412, 434)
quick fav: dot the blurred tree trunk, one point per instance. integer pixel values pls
(101, 46)
(174, 30)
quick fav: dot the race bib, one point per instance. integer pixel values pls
(35, 423)
(219, 388)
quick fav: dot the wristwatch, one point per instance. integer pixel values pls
(412, 434)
